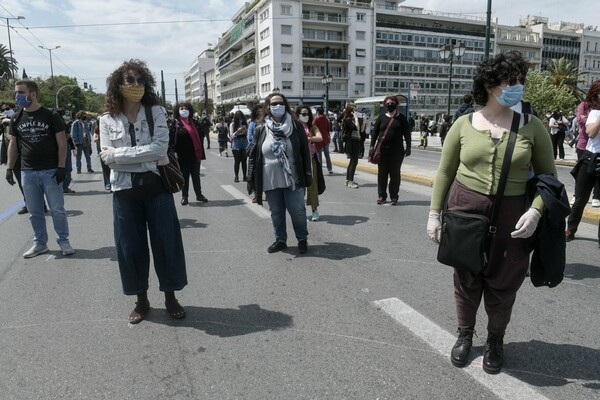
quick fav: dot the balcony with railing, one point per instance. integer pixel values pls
(238, 70)
(324, 53)
(226, 87)
(325, 36)
(324, 18)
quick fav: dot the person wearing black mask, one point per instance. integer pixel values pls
(390, 132)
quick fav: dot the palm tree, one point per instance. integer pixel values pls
(7, 63)
(563, 72)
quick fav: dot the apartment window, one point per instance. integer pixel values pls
(265, 52)
(286, 49)
(286, 85)
(266, 70)
(265, 87)
(361, 53)
(361, 35)
(361, 16)
(263, 15)
(360, 70)
(264, 34)
(286, 67)
(286, 10)
(359, 88)
(286, 29)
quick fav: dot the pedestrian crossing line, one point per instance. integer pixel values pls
(502, 385)
(255, 208)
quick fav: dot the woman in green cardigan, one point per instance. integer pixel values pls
(468, 177)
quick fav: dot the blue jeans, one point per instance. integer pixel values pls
(293, 200)
(132, 222)
(36, 184)
(68, 168)
(87, 151)
(325, 150)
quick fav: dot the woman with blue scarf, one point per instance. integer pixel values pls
(279, 165)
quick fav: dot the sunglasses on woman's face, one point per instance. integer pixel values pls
(131, 80)
(278, 103)
(390, 104)
(305, 114)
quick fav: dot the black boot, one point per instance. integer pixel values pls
(494, 354)
(460, 352)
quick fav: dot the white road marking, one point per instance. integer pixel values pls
(502, 385)
(51, 257)
(255, 208)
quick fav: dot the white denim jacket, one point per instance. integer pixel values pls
(114, 132)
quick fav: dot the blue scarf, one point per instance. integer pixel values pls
(280, 132)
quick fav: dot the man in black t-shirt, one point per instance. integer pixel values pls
(40, 136)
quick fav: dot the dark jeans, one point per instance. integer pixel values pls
(190, 167)
(583, 187)
(105, 174)
(558, 141)
(596, 193)
(68, 168)
(389, 167)
(239, 157)
(87, 152)
(352, 149)
(132, 222)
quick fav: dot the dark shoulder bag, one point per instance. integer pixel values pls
(170, 174)
(375, 153)
(465, 237)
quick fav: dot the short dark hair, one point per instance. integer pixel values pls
(492, 72)
(31, 85)
(467, 98)
(320, 110)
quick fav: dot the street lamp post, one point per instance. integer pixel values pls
(52, 70)
(326, 80)
(8, 29)
(448, 52)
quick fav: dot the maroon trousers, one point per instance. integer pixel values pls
(508, 262)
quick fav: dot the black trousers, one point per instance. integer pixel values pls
(558, 141)
(389, 169)
(584, 183)
(352, 149)
(596, 193)
(190, 167)
(239, 157)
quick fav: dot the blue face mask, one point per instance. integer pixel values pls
(511, 95)
(22, 100)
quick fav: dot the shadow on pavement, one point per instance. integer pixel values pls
(582, 271)
(413, 203)
(109, 253)
(548, 364)
(226, 322)
(191, 223)
(330, 251)
(343, 219)
(218, 203)
(89, 193)
(70, 213)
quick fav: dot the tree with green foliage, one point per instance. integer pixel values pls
(545, 96)
(200, 107)
(563, 72)
(8, 64)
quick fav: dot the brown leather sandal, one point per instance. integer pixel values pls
(175, 310)
(139, 312)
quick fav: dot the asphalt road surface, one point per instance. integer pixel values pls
(367, 313)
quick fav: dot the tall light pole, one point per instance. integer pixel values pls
(448, 52)
(8, 29)
(326, 80)
(52, 71)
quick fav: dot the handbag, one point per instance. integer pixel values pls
(375, 152)
(171, 175)
(465, 236)
(320, 178)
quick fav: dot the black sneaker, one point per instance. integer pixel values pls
(277, 246)
(23, 210)
(201, 198)
(302, 246)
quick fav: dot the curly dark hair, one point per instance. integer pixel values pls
(508, 67)
(114, 97)
(310, 114)
(185, 104)
(256, 112)
(267, 104)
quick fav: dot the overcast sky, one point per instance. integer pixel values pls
(90, 53)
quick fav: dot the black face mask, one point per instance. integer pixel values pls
(391, 107)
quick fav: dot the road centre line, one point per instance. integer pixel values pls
(502, 385)
(255, 208)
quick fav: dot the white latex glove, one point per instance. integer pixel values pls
(527, 224)
(434, 226)
(108, 155)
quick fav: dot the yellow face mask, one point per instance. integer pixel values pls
(133, 93)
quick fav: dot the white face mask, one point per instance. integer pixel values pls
(278, 110)
(184, 113)
(304, 119)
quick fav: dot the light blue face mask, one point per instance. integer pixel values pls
(278, 110)
(511, 95)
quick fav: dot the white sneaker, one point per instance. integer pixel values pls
(573, 200)
(595, 203)
(348, 183)
(353, 185)
(66, 248)
(315, 216)
(36, 250)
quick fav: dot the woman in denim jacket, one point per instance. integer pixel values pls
(140, 200)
